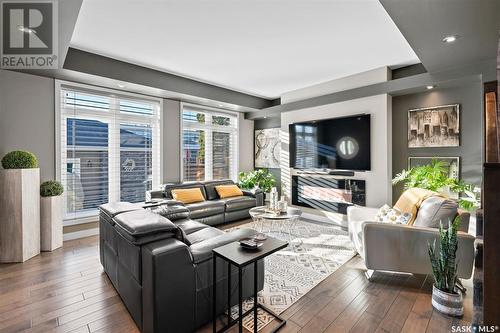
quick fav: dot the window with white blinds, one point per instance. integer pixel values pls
(209, 144)
(108, 148)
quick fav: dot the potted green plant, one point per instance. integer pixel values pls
(446, 297)
(260, 178)
(20, 213)
(435, 177)
(51, 229)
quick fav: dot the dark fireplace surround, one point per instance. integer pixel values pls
(332, 194)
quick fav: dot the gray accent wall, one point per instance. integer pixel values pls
(274, 122)
(27, 118)
(171, 141)
(245, 144)
(470, 151)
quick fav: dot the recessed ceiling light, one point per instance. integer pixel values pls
(265, 117)
(220, 105)
(430, 87)
(121, 85)
(450, 39)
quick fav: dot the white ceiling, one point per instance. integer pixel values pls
(261, 47)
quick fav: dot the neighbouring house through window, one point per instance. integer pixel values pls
(108, 148)
(209, 144)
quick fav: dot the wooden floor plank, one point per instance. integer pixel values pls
(367, 323)
(67, 291)
(397, 314)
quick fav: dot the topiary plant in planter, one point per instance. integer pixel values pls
(260, 178)
(51, 188)
(20, 178)
(51, 234)
(446, 298)
(19, 159)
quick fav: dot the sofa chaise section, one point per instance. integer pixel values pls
(161, 265)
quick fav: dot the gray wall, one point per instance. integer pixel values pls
(470, 150)
(274, 122)
(171, 141)
(27, 118)
(245, 138)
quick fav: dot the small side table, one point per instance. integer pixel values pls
(235, 255)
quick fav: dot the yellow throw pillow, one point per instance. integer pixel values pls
(188, 195)
(227, 191)
(411, 199)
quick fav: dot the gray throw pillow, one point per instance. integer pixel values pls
(436, 209)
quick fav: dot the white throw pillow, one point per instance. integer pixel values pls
(392, 215)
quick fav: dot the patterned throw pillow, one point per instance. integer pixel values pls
(392, 215)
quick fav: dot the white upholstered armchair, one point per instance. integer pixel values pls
(402, 248)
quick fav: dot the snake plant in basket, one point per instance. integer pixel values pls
(446, 297)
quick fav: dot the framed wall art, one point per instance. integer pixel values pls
(452, 163)
(437, 126)
(267, 148)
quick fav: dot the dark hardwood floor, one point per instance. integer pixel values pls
(67, 291)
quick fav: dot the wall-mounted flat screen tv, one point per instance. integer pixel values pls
(336, 143)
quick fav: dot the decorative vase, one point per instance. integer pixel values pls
(51, 229)
(449, 304)
(273, 202)
(282, 204)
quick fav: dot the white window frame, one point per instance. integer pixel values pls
(113, 152)
(209, 128)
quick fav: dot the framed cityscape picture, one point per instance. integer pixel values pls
(437, 126)
(452, 163)
(267, 148)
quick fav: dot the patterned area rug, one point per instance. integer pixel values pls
(316, 250)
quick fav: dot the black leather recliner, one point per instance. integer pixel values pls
(213, 210)
(160, 262)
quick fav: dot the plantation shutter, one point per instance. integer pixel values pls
(109, 149)
(209, 144)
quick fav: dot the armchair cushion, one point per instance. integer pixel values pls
(210, 187)
(202, 250)
(411, 199)
(205, 208)
(435, 210)
(143, 226)
(173, 213)
(238, 203)
(252, 193)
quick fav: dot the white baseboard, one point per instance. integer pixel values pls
(81, 234)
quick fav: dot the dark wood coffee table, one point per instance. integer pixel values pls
(236, 255)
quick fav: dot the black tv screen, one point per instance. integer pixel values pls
(336, 143)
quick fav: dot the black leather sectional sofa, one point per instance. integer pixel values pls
(213, 210)
(160, 262)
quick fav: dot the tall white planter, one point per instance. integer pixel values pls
(19, 214)
(51, 227)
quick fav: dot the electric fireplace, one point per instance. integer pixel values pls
(328, 193)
